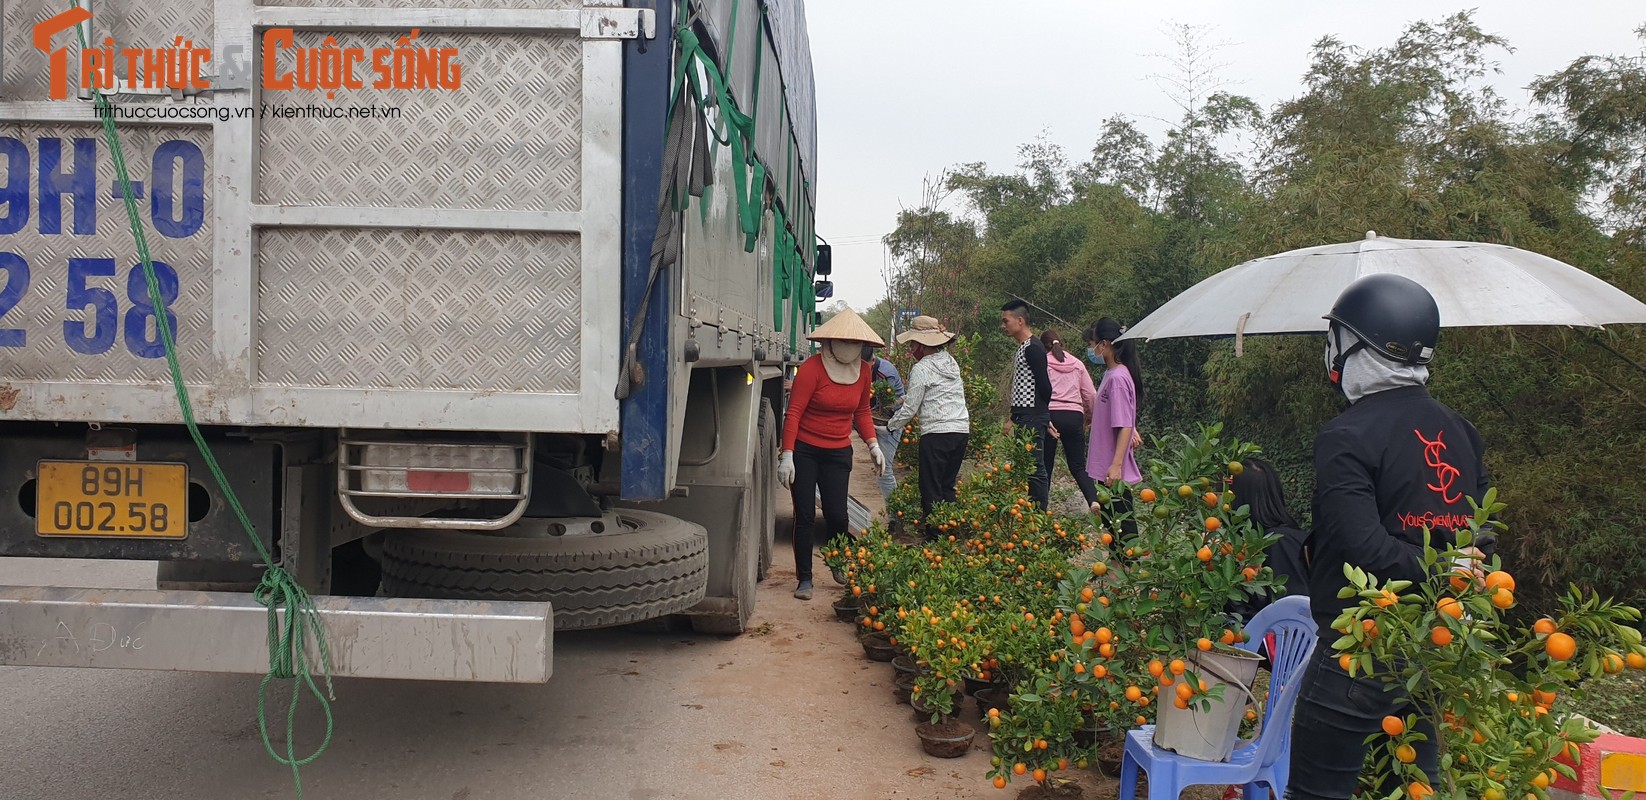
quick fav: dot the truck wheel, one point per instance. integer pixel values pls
(765, 486)
(655, 565)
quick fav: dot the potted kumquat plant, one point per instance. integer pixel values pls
(1496, 693)
(1195, 554)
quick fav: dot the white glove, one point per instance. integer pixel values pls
(878, 458)
(785, 468)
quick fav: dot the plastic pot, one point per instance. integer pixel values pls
(1209, 734)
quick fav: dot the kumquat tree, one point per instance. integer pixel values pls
(1164, 596)
(1083, 635)
(1498, 693)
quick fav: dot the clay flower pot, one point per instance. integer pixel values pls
(846, 610)
(878, 648)
(1110, 752)
(948, 739)
(992, 697)
(1090, 731)
(903, 687)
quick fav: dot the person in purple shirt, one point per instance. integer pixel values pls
(1110, 459)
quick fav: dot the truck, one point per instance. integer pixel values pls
(484, 308)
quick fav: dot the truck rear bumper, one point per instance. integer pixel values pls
(367, 637)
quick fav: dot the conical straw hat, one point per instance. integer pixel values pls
(927, 331)
(848, 326)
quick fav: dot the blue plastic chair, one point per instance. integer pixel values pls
(1262, 766)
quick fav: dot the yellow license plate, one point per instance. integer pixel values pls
(115, 499)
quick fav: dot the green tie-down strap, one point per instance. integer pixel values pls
(749, 174)
(780, 285)
(293, 621)
(738, 128)
(797, 277)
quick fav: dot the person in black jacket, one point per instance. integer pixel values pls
(1396, 464)
(1031, 393)
(1258, 488)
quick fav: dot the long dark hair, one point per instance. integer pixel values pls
(1048, 337)
(1258, 487)
(1108, 329)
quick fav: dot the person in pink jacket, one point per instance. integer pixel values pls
(1073, 398)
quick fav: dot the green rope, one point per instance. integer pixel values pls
(793, 272)
(288, 633)
(749, 174)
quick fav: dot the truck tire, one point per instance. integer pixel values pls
(657, 566)
(765, 484)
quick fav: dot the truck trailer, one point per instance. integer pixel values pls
(485, 309)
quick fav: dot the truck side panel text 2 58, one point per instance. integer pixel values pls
(54, 172)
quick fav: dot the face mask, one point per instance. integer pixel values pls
(845, 352)
(1092, 356)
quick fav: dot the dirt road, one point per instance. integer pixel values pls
(789, 710)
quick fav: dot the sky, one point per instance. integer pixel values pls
(906, 88)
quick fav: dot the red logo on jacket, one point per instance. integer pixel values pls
(1434, 455)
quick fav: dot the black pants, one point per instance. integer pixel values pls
(1034, 420)
(1335, 713)
(940, 457)
(825, 470)
(1071, 426)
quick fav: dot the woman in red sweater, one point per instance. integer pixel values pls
(830, 394)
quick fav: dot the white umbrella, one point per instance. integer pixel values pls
(1474, 284)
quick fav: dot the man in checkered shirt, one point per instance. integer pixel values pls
(1031, 391)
